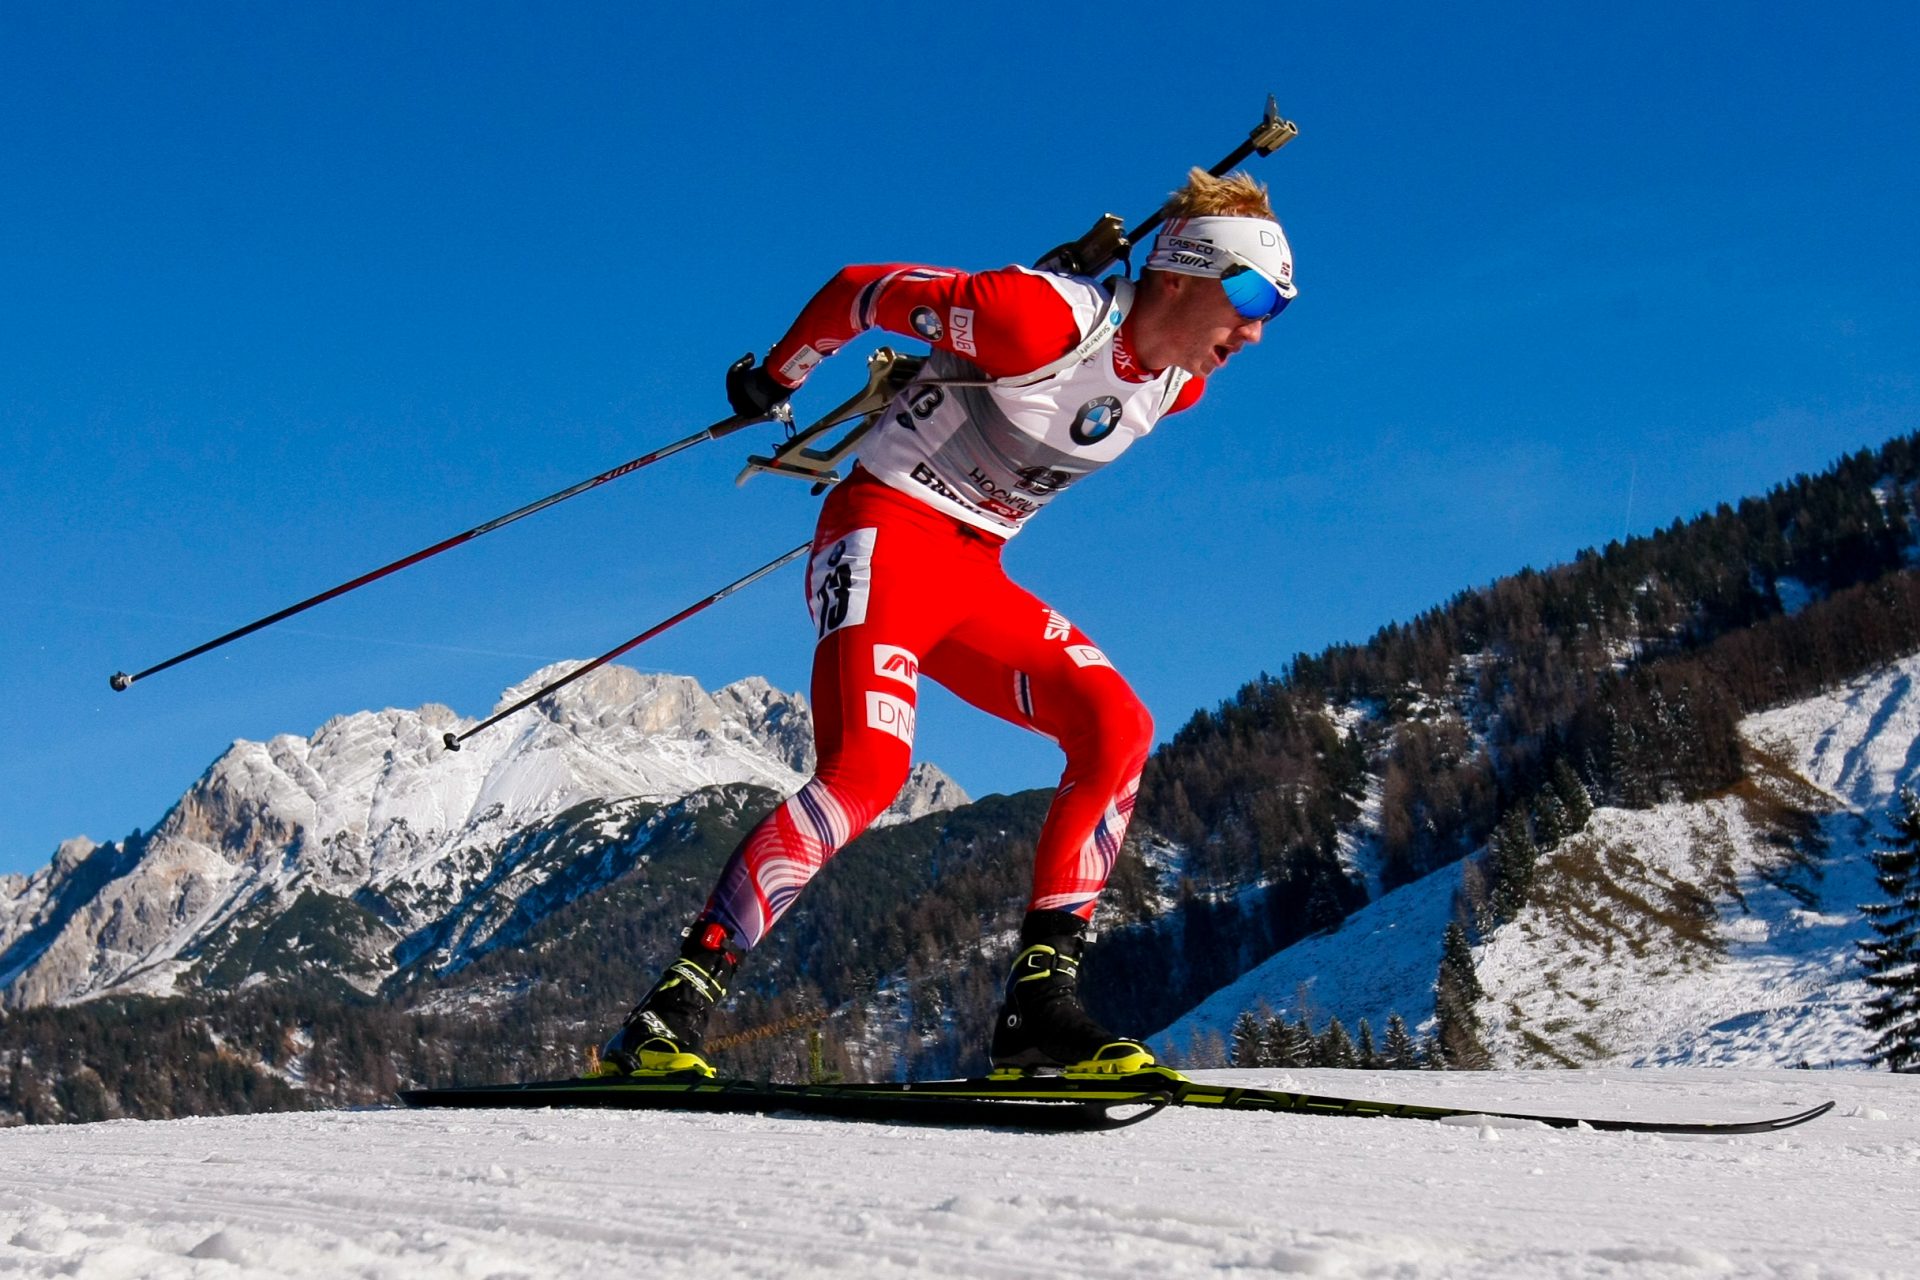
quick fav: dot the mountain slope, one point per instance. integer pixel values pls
(1775, 870)
(357, 850)
(1714, 932)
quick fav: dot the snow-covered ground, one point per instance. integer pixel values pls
(1380, 961)
(420, 1195)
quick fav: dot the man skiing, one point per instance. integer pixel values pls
(1035, 381)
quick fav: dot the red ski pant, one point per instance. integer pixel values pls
(898, 592)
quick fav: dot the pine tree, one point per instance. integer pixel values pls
(1291, 1046)
(1550, 825)
(1336, 1046)
(1573, 795)
(1513, 858)
(1626, 765)
(1274, 1041)
(1473, 900)
(1892, 957)
(1401, 1052)
(1249, 1046)
(1457, 1025)
(1366, 1055)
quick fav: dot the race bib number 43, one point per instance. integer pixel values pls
(839, 578)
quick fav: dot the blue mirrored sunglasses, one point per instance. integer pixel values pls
(1254, 297)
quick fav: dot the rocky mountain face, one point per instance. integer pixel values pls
(369, 850)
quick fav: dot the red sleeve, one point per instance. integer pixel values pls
(1007, 321)
(1190, 393)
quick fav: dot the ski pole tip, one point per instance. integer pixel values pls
(453, 743)
(120, 681)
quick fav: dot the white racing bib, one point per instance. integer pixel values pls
(992, 455)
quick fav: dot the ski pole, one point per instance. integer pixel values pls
(453, 741)
(726, 426)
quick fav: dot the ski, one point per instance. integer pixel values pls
(1032, 1102)
(1054, 1111)
(1268, 1100)
(1232, 1098)
(1194, 1093)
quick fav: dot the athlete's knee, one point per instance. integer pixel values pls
(863, 787)
(1135, 727)
(1116, 735)
(1126, 725)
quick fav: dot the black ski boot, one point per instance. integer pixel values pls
(664, 1032)
(1042, 1025)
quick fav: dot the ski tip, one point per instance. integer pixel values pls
(1811, 1113)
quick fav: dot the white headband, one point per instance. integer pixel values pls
(1208, 246)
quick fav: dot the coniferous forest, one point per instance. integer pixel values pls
(1488, 721)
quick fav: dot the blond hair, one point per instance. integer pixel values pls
(1208, 196)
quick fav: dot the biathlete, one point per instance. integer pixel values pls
(1036, 380)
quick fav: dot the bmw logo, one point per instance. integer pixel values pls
(1096, 420)
(926, 324)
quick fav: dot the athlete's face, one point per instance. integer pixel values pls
(1192, 325)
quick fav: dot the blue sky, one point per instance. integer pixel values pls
(288, 291)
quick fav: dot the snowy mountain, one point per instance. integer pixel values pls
(1719, 932)
(369, 846)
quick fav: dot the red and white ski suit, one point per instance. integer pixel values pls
(905, 579)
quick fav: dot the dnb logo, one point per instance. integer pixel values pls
(926, 323)
(891, 715)
(1086, 655)
(1096, 420)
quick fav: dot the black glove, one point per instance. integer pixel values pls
(751, 390)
